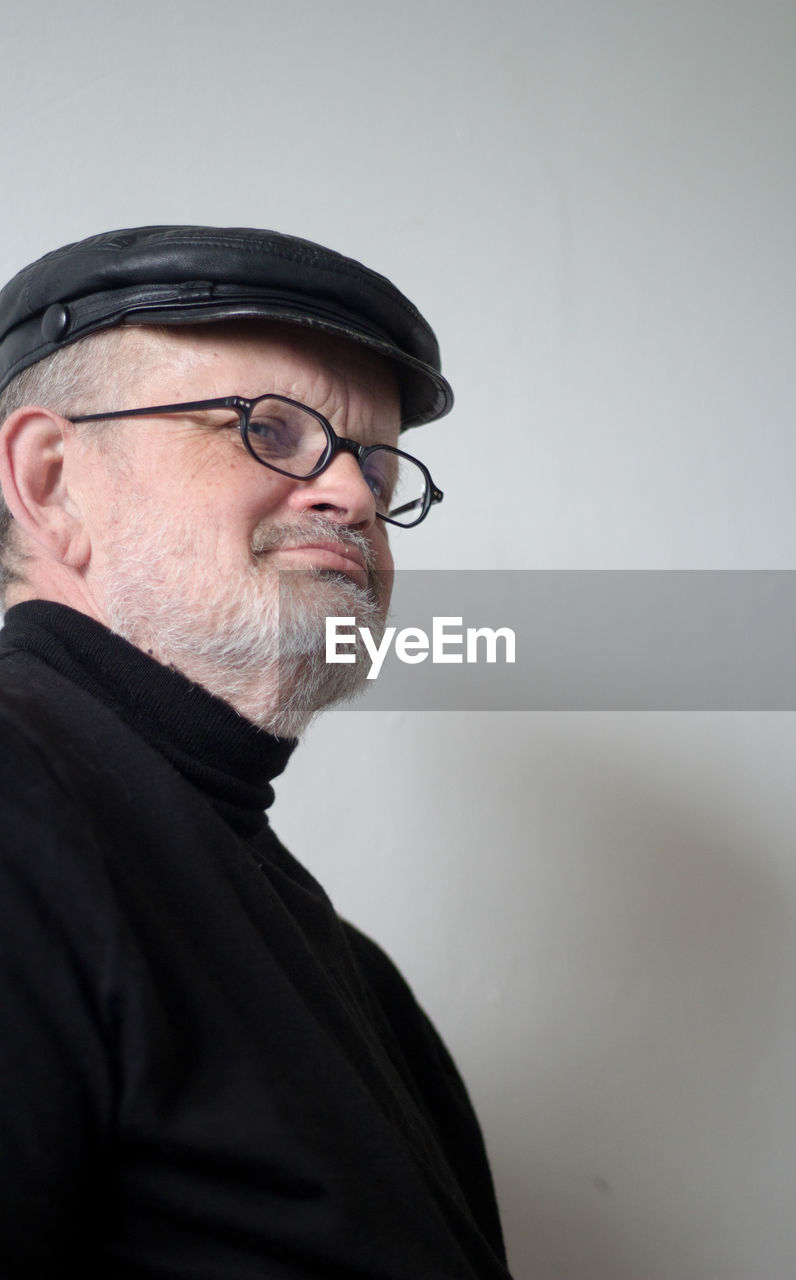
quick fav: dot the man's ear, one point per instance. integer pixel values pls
(33, 447)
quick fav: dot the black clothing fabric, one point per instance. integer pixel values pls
(204, 1073)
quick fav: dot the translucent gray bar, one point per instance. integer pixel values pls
(617, 640)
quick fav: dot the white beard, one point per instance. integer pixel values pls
(256, 638)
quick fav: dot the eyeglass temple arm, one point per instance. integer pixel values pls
(436, 496)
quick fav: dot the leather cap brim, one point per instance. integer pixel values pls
(178, 275)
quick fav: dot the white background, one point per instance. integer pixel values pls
(593, 203)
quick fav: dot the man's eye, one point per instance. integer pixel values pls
(380, 480)
(272, 436)
(378, 486)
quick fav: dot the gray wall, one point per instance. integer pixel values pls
(594, 203)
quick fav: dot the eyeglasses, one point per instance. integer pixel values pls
(299, 442)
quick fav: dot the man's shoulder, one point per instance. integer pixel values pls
(60, 750)
(53, 886)
(42, 718)
(30, 726)
(408, 1022)
(59, 716)
(383, 974)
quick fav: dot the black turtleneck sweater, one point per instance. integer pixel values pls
(204, 1073)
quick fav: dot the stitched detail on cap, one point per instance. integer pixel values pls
(339, 266)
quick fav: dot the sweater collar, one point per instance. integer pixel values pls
(211, 745)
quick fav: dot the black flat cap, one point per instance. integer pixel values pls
(189, 275)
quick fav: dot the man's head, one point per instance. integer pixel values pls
(164, 526)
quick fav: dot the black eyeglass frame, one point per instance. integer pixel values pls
(334, 443)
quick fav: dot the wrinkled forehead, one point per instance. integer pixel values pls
(249, 358)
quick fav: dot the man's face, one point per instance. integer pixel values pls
(188, 532)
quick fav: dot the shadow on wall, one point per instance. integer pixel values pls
(638, 926)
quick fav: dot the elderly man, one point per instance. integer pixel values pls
(205, 1073)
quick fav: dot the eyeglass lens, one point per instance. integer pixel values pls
(286, 436)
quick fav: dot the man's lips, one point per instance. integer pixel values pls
(331, 555)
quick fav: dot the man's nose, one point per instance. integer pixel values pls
(340, 491)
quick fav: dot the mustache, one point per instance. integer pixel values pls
(311, 527)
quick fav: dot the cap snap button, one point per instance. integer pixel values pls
(54, 322)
